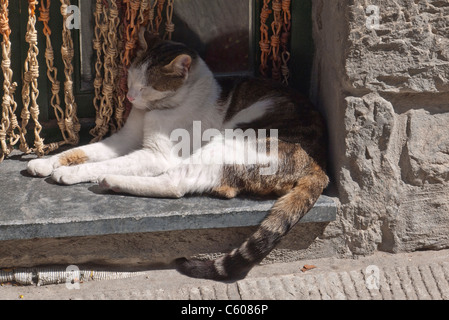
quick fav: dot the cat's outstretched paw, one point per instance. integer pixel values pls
(40, 167)
(66, 175)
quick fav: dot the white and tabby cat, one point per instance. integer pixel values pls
(170, 88)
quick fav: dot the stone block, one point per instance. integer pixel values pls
(425, 155)
(406, 52)
(385, 93)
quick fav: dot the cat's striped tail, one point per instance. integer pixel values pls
(286, 212)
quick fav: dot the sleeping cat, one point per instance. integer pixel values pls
(171, 88)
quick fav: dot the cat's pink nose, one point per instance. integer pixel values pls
(131, 99)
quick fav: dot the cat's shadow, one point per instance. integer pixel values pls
(49, 180)
(102, 191)
(24, 173)
(96, 189)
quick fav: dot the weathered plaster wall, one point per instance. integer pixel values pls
(385, 93)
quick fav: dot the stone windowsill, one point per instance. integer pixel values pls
(39, 208)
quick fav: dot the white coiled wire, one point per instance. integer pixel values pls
(46, 276)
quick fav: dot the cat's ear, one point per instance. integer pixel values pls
(180, 65)
(146, 39)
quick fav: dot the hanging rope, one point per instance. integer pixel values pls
(130, 29)
(115, 42)
(285, 38)
(276, 27)
(158, 19)
(264, 39)
(131, 32)
(9, 123)
(151, 26)
(30, 90)
(67, 52)
(110, 72)
(115, 54)
(275, 48)
(143, 12)
(117, 23)
(110, 83)
(169, 26)
(99, 38)
(121, 85)
(52, 74)
(111, 60)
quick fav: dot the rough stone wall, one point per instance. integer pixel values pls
(385, 93)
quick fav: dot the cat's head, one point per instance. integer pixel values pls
(159, 71)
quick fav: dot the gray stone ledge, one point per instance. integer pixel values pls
(38, 208)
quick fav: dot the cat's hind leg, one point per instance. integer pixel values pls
(157, 187)
(175, 183)
(202, 172)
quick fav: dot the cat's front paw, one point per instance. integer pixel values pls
(109, 182)
(40, 167)
(66, 175)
